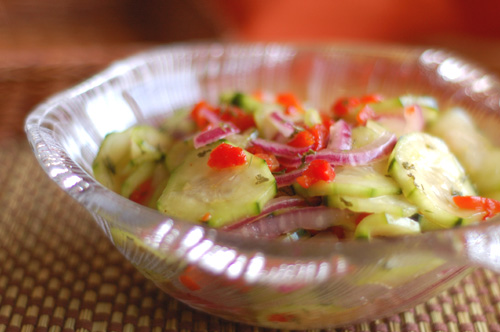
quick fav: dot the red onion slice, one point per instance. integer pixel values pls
(286, 179)
(414, 118)
(379, 148)
(285, 127)
(280, 149)
(210, 116)
(311, 218)
(340, 136)
(214, 134)
(278, 203)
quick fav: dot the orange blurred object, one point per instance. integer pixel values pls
(381, 20)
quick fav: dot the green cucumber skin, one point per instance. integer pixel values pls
(362, 181)
(395, 205)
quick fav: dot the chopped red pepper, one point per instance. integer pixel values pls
(226, 155)
(320, 134)
(343, 105)
(188, 278)
(281, 317)
(318, 170)
(489, 206)
(373, 98)
(197, 114)
(302, 139)
(270, 159)
(238, 117)
(289, 101)
(143, 192)
(326, 120)
(365, 114)
(206, 217)
(360, 217)
(338, 231)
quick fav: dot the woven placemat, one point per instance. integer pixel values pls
(58, 272)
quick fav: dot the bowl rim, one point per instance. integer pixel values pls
(448, 243)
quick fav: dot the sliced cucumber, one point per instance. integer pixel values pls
(312, 117)
(122, 152)
(179, 124)
(134, 180)
(476, 153)
(428, 104)
(430, 175)
(396, 205)
(243, 140)
(147, 144)
(177, 153)
(112, 158)
(195, 190)
(241, 100)
(363, 135)
(383, 224)
(359, 181)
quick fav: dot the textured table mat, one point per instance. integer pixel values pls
(58, 272)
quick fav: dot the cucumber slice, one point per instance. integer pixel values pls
(179, 124)
(430, 175)
(383, 224)
(312, 117)
(476, 153)
(141, 174)
(241, 100)
(428, 104)
(147, 144)
(113, 156)
(396, 205)
(194, 189)
(363, 135)
(178, 153)
(359, 181)
(122, 152)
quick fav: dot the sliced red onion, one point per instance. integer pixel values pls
(379, 148)
(284, 126)
(340, 136)
(280, 149)
(414, 118)
(311, 218)
(287, 179)
(214, 134)
(211, 117)
(278, 203)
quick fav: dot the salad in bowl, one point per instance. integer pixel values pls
(282, 185)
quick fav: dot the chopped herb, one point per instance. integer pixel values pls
(203, 153)
(260, 179)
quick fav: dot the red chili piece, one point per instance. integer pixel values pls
(288, 100)
(143, 193)
(343, 105)
(238, 117)
(318, 170)
(302, 139)
(197, 114)
(365, 114)
(489, 206)
(226, 155)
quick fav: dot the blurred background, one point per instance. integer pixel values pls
(64, 41)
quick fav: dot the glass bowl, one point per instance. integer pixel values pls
(255, 281)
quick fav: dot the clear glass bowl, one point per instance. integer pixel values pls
(262, 282)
